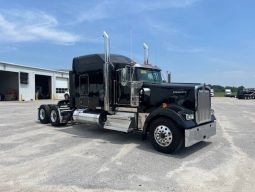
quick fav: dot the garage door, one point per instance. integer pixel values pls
(61, 87)
(9, 86)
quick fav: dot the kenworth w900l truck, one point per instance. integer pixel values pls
(116, 93)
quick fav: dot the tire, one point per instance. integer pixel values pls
(54, 116)
(165, 136)
(44, 114)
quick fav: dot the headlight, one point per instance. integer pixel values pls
(189, 116)
(212, 112)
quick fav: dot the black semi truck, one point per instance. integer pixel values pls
(114, 92)
(246, 93)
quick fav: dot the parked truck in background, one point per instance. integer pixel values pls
(116, 93)
(212, 92)
(246, 93)
(228, 93)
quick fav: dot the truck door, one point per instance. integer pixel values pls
(84, 90)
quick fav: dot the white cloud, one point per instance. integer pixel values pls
(98, 12)
(164, 4)
(6, 49)
(112, 8)
(186, 50)
(23, 26)
(177, 49)
(164, 28)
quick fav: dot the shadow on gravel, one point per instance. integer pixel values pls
(193, 149)
(109, 136)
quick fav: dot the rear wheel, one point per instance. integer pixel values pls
(54, 116)
(165, 136)
(44, 113)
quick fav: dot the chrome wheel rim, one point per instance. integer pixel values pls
(53, 116)
(42, 114)
(163, 135)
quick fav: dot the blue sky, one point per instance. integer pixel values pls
(207, 41)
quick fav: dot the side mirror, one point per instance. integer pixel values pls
(124, 77)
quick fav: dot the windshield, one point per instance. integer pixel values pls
(148, 75)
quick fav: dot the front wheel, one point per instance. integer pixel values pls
(165, 136)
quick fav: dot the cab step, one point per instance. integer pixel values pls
(121, 121)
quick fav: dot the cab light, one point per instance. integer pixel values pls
(165, 105)
(189, 117)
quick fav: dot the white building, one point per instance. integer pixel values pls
(25, 83)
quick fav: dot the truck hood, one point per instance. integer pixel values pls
(172, 85)
(182, 94)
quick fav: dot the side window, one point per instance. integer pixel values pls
(156, 76)
(84, 84)
(150, 76)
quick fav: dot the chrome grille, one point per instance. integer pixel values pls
(203, 112)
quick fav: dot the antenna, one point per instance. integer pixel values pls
(131, 44)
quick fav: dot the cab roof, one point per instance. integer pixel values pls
(96, 61)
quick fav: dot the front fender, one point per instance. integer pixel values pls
(168, 113)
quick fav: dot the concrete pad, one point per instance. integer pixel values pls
(38, 157)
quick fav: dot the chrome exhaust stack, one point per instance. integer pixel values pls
(168, 77)
(106, 71)
(146, 54)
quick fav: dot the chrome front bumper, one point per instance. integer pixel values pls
(199, 133)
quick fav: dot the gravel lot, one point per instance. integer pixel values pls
(37, 157)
